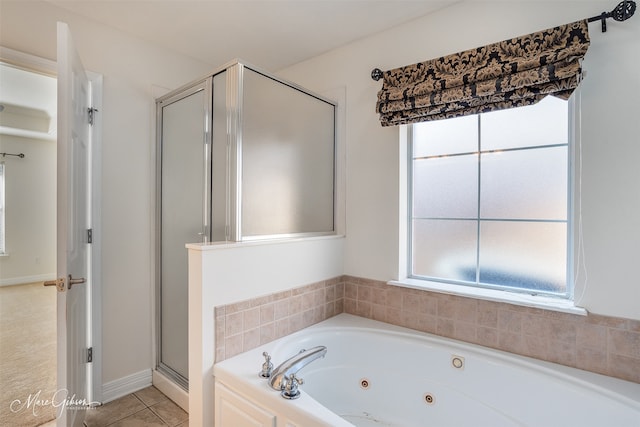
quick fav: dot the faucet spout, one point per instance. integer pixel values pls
(294, 364)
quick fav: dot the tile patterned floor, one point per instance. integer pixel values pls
(145, 408)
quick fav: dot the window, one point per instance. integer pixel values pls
(2, 238)
(489, 199)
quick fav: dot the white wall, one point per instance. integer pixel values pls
(226, 273)
(30, 223)
(610, 129)
(130, 68)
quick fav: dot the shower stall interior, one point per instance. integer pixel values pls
(241, 155)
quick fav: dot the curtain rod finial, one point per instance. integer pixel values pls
(376, 74)
(624, 10)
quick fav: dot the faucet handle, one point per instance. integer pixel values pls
(290, 387)
(267, 366)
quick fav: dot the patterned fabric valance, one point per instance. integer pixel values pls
(511, 73)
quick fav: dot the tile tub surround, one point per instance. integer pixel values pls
(248, 324)
(601, 344)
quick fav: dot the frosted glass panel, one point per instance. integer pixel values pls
(446, 187)
(219, 159)
(459, 135)
(524, 255)
(182, 220)
(445, 249)
(543, 123)
(525, 184)
(287, 159)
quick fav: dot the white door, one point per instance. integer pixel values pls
(74, 149)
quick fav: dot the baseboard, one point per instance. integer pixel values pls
(126, 385)
(27, 279)
(171, 390)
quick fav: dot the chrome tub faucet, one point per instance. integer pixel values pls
(283, 378)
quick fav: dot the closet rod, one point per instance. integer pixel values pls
(623, 11)
(21, 155)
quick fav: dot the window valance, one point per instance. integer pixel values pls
(512, 73)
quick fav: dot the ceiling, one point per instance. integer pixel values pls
(270, 33)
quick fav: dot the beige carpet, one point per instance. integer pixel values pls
(27, 354)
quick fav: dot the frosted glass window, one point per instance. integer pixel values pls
(529, 255)
(528, 126)
(496, 215)
(458, 135)
(445, 248)
(287, 160)
(446, 187)
(525, 184)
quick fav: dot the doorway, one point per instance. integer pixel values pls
(27, 245)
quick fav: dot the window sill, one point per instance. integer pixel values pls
(534, 301)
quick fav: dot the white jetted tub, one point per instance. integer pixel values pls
(376, 374)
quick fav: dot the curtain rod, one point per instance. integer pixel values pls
(21, 155)
(623, 11)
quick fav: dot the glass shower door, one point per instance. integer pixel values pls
(184, 216)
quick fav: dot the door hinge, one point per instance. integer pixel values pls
(90, 355)
(92, 112)
(90, 235)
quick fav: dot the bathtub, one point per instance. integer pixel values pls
(376, 374)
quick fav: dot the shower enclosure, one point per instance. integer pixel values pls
(242, 155)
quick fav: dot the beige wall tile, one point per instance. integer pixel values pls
(634, 325)
(487, 314)
(281, 309)
(562, 352)
(428, 323)
(591, 336)
(510, 341)
(351, 291)
(624, 367)
(465, 331)
(267, 332)
(592, 359)
(234, 323)
(295, 304)
(349, 306)
(487, 336)
(364, 293)
(251, 318)
(445, 327)
(232, 345)
(267, 313)
(394, 297)
(379, 312)
(509, 321)
(411, 302)
(624, 343)
(535, 346)
(250, 339)
(562, 331)
(282, 328)
(606, 345)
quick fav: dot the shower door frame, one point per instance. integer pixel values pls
(205, 85)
